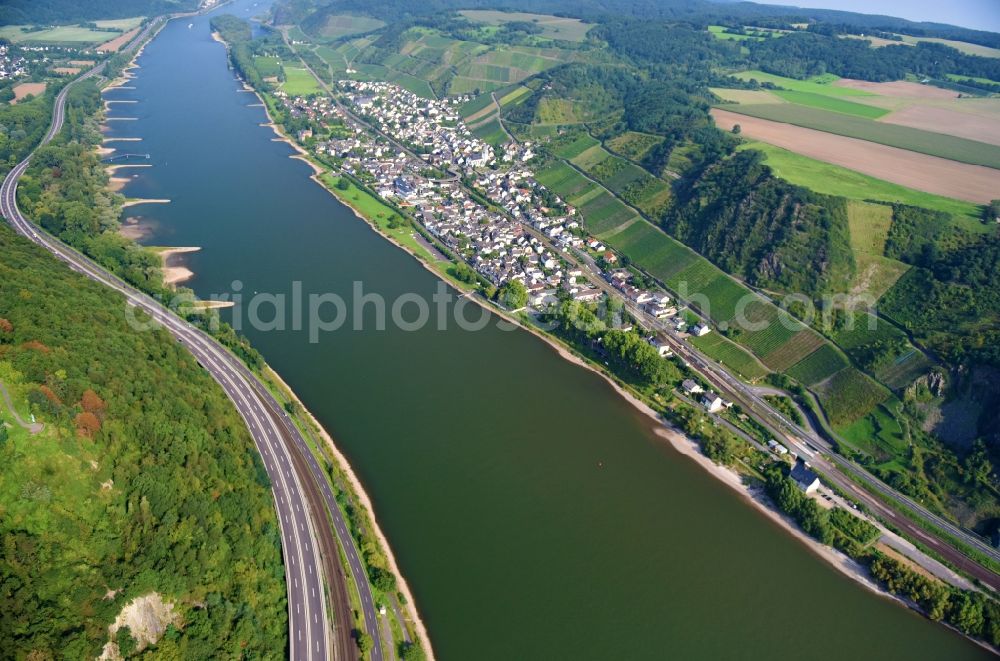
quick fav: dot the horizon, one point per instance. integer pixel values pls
(971, 14)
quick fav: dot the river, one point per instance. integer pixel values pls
(535, 514)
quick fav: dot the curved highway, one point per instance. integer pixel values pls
(308, 514)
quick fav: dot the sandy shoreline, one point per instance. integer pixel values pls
(175, 273)
(133, 202)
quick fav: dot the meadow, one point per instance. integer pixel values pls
(719, 32)
(831, 103)
(831, 179)
(61, 34)
(632, 145)
(299, 82)
(818, 366)
(849, 396)
(823, 85)
(338, 26)
(738, 360)
(553, 27)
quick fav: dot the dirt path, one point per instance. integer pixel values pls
(32, 427)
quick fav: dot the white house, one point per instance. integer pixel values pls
(701, 330)
(691, 387)
(712, 402)
(806, 480)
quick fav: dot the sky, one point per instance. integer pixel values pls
(976, 14)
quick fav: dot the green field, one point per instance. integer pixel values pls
(835, 180)
(823, 85)
(470, 108)
(864, 329)
(892, 135)
(832, 103)
(515, 96)
(267, 66)
(299, 82)
(904, 369)
(633, 145)
(821, 364)
(62, 34)
(122, 24)
(653, 250)
(976, 79)
(962, 46)
(869, 226)
(343, 25)
(717, 347)
(553, 27)
(590, 157)
(577, 147)
(491, 132)
(849, 396)
(877, 434)
(718, 31)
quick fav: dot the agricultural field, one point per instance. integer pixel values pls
(299, 82)
(964, 47)
(491, 132)
(267, 67)
(553, 27)
(831, 179)
(650, 248)
(849, 396)
(563, 180)
(604, 213)
(121, 24)
(590, 157)
(821, 364)
(574, 149)
(514, 97)
(559, 111)
(863, 329)
(935, 175)
(474, 107)
(825, 85)
(831, 103)
(940, 145)
(62, 34)
(632, 145)
(869, 227)
(782, 348)
(719, 32)
(738, 360)
(904, 369)
(338, 26)
(729, 95)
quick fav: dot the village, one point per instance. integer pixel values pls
(517, 231)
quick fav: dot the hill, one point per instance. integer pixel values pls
(143, 479)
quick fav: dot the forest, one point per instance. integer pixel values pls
(143, 479)
(16, 12)
(763, 229)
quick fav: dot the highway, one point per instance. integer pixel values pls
(311, 523)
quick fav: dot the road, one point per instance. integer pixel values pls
(311, 523)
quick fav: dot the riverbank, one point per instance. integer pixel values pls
(340, 459)
(174, 271)
(854, 570)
